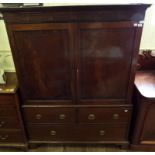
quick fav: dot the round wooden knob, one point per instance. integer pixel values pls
(91, 116)
(1, 123)
(3, 137)
(38, 116)
(62, 116)
(102, 132)
(53, 133)
(115, 116)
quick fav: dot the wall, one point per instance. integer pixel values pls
(6, 61)
(148, 35)
(147, 41)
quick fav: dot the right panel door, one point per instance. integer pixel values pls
(105, 57)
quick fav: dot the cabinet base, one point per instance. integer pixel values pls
(122, 144)
(22, 147)
(142, 147)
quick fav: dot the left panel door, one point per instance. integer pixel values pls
(43, 55)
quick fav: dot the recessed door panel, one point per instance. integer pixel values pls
(43, 54)
(105, 58)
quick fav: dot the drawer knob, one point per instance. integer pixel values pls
(38, 116)
(3, 137)
(91, 116)
(62, 116)
(125, 110)
(53, 133)
(102, 132)
(1, 123)
(115, 116)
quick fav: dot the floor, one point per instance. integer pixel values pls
(72, 148)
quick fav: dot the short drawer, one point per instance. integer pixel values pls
(77, 133)
(49, 115)
(9, 123)
(6, 99)
(51, 132)
(102, 133)
(10, 136)
(104, 115)
(7, 111)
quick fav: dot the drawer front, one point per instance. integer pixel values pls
(6, 99)
(7, 111)
(9, 122)
(50, 132)
(102, 133)
(9, 136)
(77, 133)
(49, 115)
(104, 115)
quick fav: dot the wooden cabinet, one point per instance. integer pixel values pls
(144, 120)
(76, 66)
(12, 133)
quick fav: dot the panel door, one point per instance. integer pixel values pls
(43, 55)
(105, 57)
(148, 127)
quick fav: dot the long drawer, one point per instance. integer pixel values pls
(80, 115)
(104, 115)
(49, 115)
(9, 123)
(11, 136)
(77, 133)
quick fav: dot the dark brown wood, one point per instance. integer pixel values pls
(99, 55)
(68, 115)
(9, 122)
(11, 136)
(77, 133)
(11, 125)
(49, 115)
(57, 69)
(7, 110)
(148, 132)
(143, 148)
(6, 98)
(144, 129)
(78, 62)
(104, 115)
(138, 33)
(75, 13)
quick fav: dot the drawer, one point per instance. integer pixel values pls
(10, 136)
(104, 115)
(50, 132)
(49, 115)
(77, 133)
(9, 122)
(6, 99)
(7, 111)
(102, 133)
